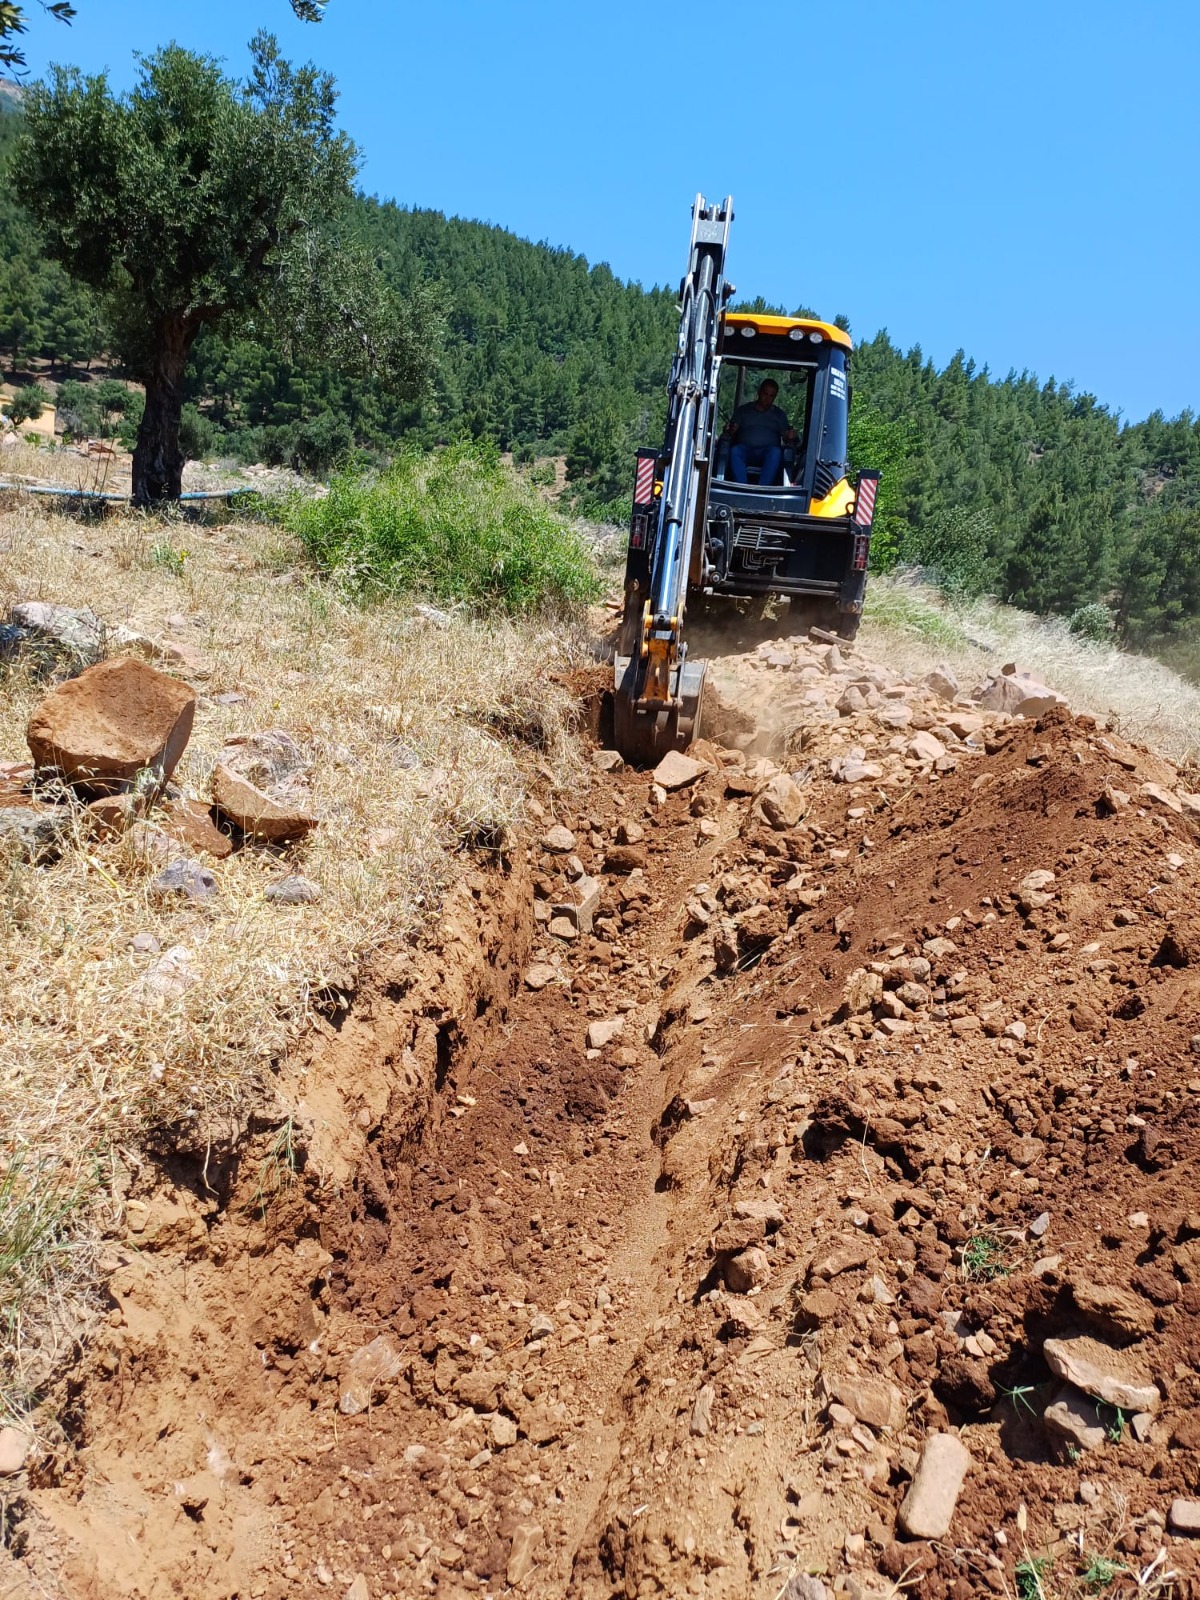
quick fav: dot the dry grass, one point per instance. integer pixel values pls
(910, 627)
(409, 774)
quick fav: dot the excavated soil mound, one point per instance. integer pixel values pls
(651, 1260)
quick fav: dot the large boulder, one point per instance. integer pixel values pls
(118, 718)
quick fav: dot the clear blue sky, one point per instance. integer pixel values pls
(1017, 179)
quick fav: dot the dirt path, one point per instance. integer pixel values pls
(902, 1082)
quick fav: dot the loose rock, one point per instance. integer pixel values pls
(171, 976)
(702, 1411)
(858, 772)
(1112, 1309)
(558, 840)
(872, 1400)
(369, 1370)
(676, 771)
(293, 891)
(601, 1033)
(503, 1431)
(748, 1270)
(523, 1553)
(928, 1507)
(1072, 1417)
(75, 638)
(1098, 1370)
(926, 747)
(184, 879)
(32, 835)
(1184, 1516)
(15, 1446)
(190, 821)
(781, 803)
(115, 720)
(941, 682)
(624, 858)
(803, 1586)
(254, 811)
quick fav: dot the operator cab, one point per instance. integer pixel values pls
(809, 362)
(741, 384)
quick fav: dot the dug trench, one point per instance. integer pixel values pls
(736, 1143)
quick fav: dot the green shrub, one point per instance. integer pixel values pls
(78, 411)
(243, 444)
(196, 434)
(1094, 621)
(27, 404)
(320, 442)
(454, 525)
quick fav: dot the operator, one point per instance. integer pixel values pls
(759, 429)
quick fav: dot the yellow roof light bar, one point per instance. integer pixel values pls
(784, 325)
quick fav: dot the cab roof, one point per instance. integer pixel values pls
(784, 325)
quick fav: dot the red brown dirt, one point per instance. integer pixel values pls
(544, 1235)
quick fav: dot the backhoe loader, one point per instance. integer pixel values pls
(706, 526)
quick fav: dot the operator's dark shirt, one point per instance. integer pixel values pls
(759, 430)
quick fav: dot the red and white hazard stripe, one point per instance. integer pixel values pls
(643, 487)
(864, 505)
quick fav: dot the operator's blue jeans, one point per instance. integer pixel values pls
(767, 458)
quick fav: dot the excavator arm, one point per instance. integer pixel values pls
(658, 692)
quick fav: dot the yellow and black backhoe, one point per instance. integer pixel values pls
(710, 521)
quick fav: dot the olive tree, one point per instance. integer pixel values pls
(196, 201)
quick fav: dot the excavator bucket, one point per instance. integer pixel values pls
(645, 729)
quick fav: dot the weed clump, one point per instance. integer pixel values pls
(984, 1259)
(454, 526)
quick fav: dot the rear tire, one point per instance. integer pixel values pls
(847, 625)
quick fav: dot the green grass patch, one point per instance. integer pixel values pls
(984, 1259)
(906, 608)
(1099, 1573)
(451, 526)
(1030, 1575)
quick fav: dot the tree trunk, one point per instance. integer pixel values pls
(157, 458)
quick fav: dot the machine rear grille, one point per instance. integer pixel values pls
(827, 474)
(762, 541)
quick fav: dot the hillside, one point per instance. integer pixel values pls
(1009, 485)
